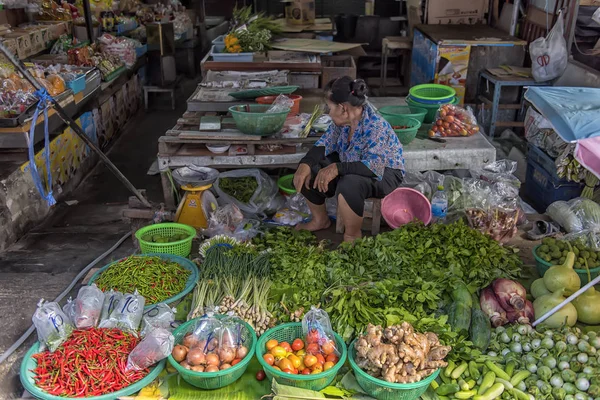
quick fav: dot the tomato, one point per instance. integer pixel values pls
(332, 357)
(284, 363)
(306, 371)
(288, 371)
(301, 352)
(328, 365)
(431, 133)
(475, 129)
(317, 369)
(328, 347)
(446, 125)
(286, 346)
(320, 358)
(312, 337)
(297, 344)
(313, 349)
(269, 358)
(278, 352)
(260, 375)
(310, 360)
(296, 371)
(296, 362)
(237, 360)
(276, 367)
(439, 122)
(271, 343)
(449, 118)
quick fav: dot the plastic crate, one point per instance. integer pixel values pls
(543, 187)
(219, 40)
(543, 159)
(218, 55)
(77, 85)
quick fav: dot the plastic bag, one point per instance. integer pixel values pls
(206, 334)
(562, 213)
(159, 316)
(265, 191)
(52, 325)
(69, 310)
(246, 230)
(224, 220)
(539, 132)
(476, 203)
(549, 56)
(504, 212)
(111, 301)
(281, 104)
(88, 306)
(453, 120)
(156, 346)
(128, 314)
(453, 187)
(231, 340)
(588, 211)
(498, 171)
(316, 328)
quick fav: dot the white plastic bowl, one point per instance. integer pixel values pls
(218, 148)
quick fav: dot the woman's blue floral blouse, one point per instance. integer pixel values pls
(374, 143)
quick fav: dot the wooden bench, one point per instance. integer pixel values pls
(371, 214)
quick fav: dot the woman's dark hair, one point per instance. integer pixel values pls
(347, 90)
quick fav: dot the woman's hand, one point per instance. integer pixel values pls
(302, 177)
(325, 176)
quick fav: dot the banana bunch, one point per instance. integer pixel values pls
(567, 167)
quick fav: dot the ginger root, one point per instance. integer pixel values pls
(398, 354)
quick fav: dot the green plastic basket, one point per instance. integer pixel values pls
(257, 121)
(432, 109)
(287, 333)
(219, 379)
(405, 135)
(181, 248)
(542, 266)
(403, 112)
(29, 364)
(184, 262)
(286, 184)
(432, 92)
(383, 390)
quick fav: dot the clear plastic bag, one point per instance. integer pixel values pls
(317, 329)
(246, 230)
(476, 203)
(453, 187)
(261, 198)
(539, 132)
(69, 310)
(88, 306)
(206, 334)
(498, 171)
(128, 314)
(159, 316)
(576, 215)
(504, 212)
(281, 104)
(453, 120)
(563, 214)
(111, 301)
(224, 220)
(231, 340)
(288, 217)
(52, 325)
(297, 202)
(156, 346)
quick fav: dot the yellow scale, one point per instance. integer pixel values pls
(196, 206)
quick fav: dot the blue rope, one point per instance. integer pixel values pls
(44, 98)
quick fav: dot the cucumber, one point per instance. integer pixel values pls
(481, 330)
(459, 317)
(461, 294)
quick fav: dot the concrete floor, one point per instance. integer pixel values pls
(47, 259)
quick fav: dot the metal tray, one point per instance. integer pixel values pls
(17, 121)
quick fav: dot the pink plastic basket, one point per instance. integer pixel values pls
(404, 205)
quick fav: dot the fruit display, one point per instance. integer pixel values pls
(303, 356)
(454, 121)
(555, 252)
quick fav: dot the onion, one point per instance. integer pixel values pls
(201, 344)
(198, 368)
(510, 294)
(179, 353)
(226, 354)
(196, 357)
(242, 352)
(213, 345)
(185, 365)
(212, 359)
(190, 341)
(225, 366)
(211, 368)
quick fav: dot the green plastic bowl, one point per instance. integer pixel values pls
(432, 109)
(29, 364)
(542, 266)
(432, 92)
(286, 184)
(383, 390)
(184, 262)
(257, 121)
(405, 135)
(219, 379)
(181, 248)
(403, 112)
(287, 333)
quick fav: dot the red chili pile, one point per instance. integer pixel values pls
(90, 363)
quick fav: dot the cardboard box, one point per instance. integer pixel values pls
(56, 29)
(11, 45)
(336, 67)
(37, 41)
(452, 68)
(455, 12)
(300, 12)
(24, 48)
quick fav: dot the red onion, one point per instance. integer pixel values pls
(510, 294)
(491, 307)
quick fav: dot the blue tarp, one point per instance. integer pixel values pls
(574, 112)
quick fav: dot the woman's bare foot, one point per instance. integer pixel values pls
(314, 225)
(351, 238)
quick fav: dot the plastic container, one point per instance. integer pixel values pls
(286, 184)
(219, 56)
(408, 134)
(403, 111)
(181, 248)
(77, 85)
(543, 187)
(295, 110)
(542, 266)
(431, 108)
(288, 332)
(439, 204)
(404, 205)
(383, 390)
(184, 262)
(214, 380)
(257, 121)
(29, 363)
(218, 148)
(219, 40)
(432, 93)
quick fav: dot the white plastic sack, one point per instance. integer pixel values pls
(549, 54)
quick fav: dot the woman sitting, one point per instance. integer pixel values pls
(358, 157)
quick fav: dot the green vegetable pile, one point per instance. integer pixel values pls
(240, 188)
(164, 239)
(154, 278)
(555, 252)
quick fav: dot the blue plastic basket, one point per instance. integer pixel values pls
(218, 55)
(77, 85)
(219, 40)
(184, 262)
